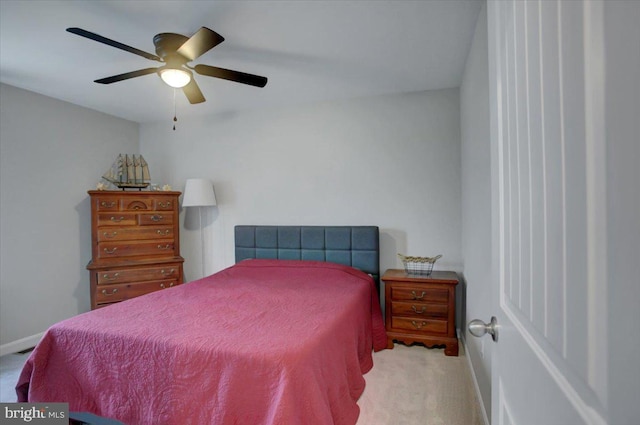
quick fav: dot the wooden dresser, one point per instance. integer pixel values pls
(421, 309)
(135, 244)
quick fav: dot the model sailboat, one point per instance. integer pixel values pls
(128, 172)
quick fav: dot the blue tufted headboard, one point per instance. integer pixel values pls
(355, 246)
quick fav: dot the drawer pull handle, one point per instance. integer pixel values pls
(156, 217)
(107, 277)
(167, 246)
(163, 272)
(106, 204)
(110, 235)
(418, 326)
(163, 286)
(117, 220)
(163, 232)
(416, 297)
(111, 251)
(422, 310)
(164, 204)
(113, 292)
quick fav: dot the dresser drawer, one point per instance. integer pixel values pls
(108, 277)
(125, 291)
(157, 218)
(165, 203)
(136, 204)
(419, 293)
(163, 247)
(420, 325)
(134, 233)
(420, 310)
(117, 219)
(107, 203)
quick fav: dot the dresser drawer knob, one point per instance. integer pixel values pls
(110, 235)
(422, 310)
(111, 251)
(117, 220)
(418, 325)
(416, 297)
(156, 217)
(163, 286)
(114, 291)
(163, 272)
(163, 232)
(164, 204)
(107, 277)
(167, 246)
(106, 204)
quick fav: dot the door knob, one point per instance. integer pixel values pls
(478, 328)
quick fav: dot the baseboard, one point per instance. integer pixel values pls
(485, 417)
(21, 344)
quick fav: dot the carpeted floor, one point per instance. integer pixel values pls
(10, 367)
(419, 386)
(407, 386)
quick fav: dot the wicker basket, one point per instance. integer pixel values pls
(422, 266)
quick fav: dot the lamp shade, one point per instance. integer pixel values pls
(198, 193)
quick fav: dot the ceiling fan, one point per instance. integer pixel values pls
(175, 50)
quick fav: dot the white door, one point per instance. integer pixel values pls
(548, 212)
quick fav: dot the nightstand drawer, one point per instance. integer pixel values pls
(420, 293)
(402, 308)
(420, 325)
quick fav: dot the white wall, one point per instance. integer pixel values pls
(476, 203)
(622, 117)
(391, 161)
(51, 153)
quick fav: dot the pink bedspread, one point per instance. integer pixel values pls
(262, 342)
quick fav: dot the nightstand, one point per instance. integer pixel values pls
(421, 309)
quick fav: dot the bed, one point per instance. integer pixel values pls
(282, 337)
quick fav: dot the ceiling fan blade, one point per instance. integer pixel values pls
(199, 43)
(100, 39)
(228, 74)
(193, 93)
(126, 76)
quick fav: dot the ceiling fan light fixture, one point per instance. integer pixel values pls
(175, 77)
(174, 51)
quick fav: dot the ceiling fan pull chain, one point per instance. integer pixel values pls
(175, 118)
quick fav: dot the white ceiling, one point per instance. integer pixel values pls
(311, 51)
